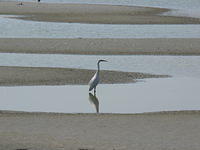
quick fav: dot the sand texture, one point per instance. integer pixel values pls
(12, 76)
(50, 131)
(92, 13)
(157, 46)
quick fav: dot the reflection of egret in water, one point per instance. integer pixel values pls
(94, 100)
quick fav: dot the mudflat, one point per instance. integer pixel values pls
(52, 131)
(92, 13)
(16, 76)
(102, 46)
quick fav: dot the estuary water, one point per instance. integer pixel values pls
(16, 28)
(149, 95)
(178, 66)
(180, 92)
(175, 4)
(181, 7)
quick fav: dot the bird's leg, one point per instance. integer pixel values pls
(95, 91)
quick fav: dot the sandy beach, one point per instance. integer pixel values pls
(51, 131)
(16, 76)
(92, 13)
(150, 46)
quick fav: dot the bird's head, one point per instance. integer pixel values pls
(102, 60)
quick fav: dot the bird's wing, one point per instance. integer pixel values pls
(93, 82)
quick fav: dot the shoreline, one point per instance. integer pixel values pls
(102, 46)
(92, 13)
(29, 76)
(176, 112)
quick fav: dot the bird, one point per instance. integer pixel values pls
(95, 79)
(20, 3)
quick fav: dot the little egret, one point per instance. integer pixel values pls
(95, 79)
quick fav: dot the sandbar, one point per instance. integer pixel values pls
(53, 131)
(18, 76)
(102, 46)
(92, 13)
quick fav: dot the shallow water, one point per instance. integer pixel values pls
(175, 4)
(183, 7)
(180, 66)
(145, 96)
(15, 28)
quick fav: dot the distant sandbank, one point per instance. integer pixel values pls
(92, 13)
(16, 76)
(107, 46)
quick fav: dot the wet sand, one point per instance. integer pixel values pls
(92, 13)
(150, 46)
(52, 131)
(17, 76)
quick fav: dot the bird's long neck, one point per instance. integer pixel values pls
(98, 66)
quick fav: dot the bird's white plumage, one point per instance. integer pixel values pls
(95, 79)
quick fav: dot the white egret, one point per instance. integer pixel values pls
(95, 79)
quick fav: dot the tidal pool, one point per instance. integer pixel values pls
(175, 4)
(181, 92)
(16, 28)
(181, 66)
(180, 7)
(149, 95)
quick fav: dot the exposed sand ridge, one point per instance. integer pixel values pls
(92, 13)
(16, 76)
(52, 131)
(102, 46)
